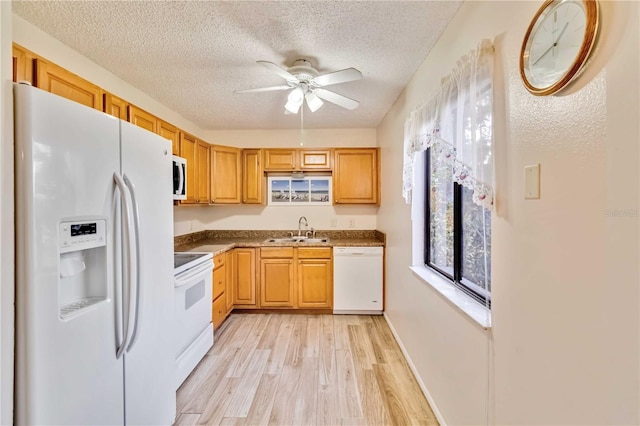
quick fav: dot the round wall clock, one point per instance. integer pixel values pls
(557, 44)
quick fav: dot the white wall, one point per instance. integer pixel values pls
(195, 218)
(6, 219)
(564, 348)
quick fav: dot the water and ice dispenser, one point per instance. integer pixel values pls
(82, 264)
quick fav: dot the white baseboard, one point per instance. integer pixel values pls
(423, 387)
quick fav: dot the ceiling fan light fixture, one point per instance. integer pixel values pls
(292, 106)
(313, 101)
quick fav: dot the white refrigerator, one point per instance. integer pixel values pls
(94, 287)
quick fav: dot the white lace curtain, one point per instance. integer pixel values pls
(457, 124)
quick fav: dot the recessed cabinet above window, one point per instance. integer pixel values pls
(278, 159)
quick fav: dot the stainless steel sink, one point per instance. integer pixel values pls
(297, 240)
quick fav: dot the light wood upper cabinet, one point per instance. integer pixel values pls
(244, 290)
(188, 146)
(142, 119)
(202, 178)
(226, 175)
(61, 82)
(311, 159)
(355, 176)
(22, 64)
(253, 181)
(115, 106)
(171, 132)
(280, 159)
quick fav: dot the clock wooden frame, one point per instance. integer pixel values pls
(592, 25)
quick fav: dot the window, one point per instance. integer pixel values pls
(287, 191)
(457, 231)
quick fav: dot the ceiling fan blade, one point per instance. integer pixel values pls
(263, 89)
(337, 99)
(278, 70)
(342, 76)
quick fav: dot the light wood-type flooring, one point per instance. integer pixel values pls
(284, 369)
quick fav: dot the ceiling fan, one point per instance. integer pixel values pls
(305, 84)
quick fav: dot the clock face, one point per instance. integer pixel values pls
(557, 44)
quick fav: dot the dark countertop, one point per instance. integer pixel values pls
(218, 242)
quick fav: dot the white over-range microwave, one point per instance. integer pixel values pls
(179, 178)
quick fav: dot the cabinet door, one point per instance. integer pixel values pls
(277, 283)
(280, 159)
(22, 64)
(252, 177)
(142, 119)
(315, 283)
(61, 82)
(315, 159)
(226, 176)
(115, 106)
(188, 151)
(231, 277)
(202, 178)
(244, 291)
(169, 131)
(355, 176)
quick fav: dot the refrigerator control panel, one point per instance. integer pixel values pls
(77, 235)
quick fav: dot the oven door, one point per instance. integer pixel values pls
(179, 178)
(192, 304)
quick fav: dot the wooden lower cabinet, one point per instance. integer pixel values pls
(315, 283)
(277, 283)
(244, 288)
(230, 269)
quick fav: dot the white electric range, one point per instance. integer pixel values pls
(194, 330)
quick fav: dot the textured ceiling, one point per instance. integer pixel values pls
(192, 55)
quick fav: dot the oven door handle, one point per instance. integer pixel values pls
(187, 277)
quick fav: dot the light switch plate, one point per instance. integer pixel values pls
(532, 182)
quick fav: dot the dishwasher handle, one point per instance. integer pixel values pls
(357, 251)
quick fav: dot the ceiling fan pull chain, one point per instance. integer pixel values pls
(301, 119)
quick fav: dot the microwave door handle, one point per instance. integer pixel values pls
(126, 226)
(138, 280)
(182, 174)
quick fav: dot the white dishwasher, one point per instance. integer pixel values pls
(357, 280)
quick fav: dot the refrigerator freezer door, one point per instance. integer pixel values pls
(150, 360)
(66, 366)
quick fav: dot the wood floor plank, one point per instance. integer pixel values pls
(216, 406)
(187, 419)
(373, 407)
(307, 395)
(191, 386)
(348, 397)
(327, 352)
(281, 348)
(268, 339)
(199, 399)
(241, 362)
(284, 407)
(328, 408)
(363, 354)
(260, 410)
(297, 341)
(245, 393)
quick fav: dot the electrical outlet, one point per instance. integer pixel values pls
(352, 222)
(333, 222)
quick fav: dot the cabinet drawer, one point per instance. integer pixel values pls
(218, 260)
(314, 253)
(276, 252)
(219, 311)
(219, 281)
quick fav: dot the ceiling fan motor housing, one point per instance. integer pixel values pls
(302, 70)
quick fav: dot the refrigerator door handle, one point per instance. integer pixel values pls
(138, 281)
(126, 226)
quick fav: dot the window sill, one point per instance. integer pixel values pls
(470, 307)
